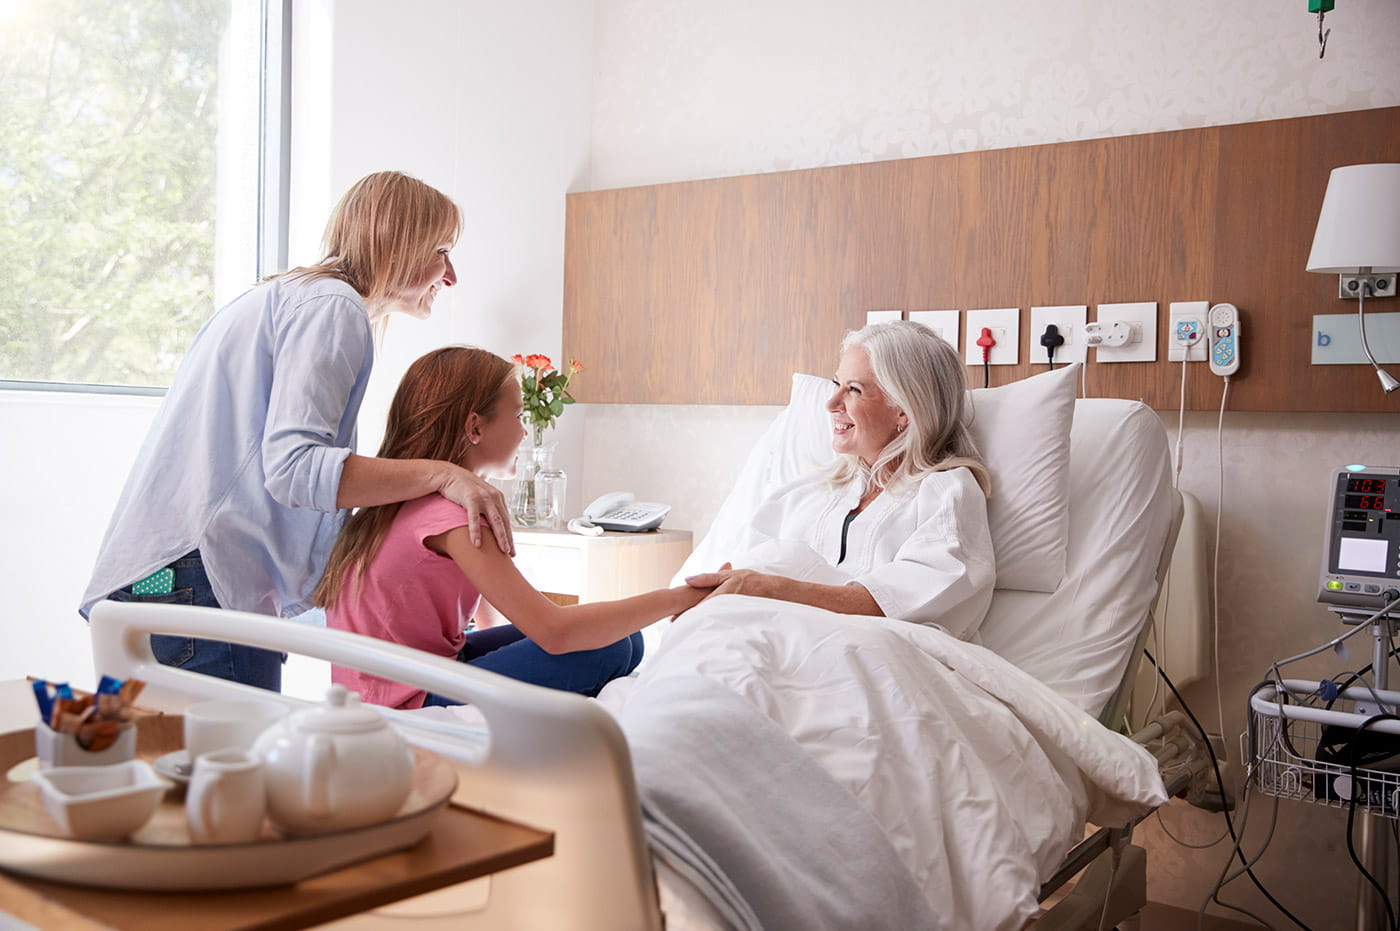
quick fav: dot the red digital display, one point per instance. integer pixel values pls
(1366, 486)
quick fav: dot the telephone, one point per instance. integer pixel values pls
(618, 510)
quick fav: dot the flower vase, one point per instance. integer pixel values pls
(538, 502)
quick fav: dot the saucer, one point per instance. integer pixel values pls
(174, 766)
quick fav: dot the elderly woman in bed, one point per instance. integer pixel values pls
(896, 525)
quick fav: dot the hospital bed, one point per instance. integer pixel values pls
(1084, 518)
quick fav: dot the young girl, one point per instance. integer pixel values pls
(409, 573)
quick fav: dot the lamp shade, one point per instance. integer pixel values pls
(1359, 226)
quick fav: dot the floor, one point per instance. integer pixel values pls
(1168, 918)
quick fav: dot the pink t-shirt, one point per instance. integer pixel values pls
(409, 595)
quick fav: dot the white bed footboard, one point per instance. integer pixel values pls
(549, 759)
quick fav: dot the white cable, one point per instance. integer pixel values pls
(1215, 572)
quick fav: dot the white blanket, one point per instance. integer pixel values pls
(980, 777)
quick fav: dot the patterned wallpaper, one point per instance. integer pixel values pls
(687, 89)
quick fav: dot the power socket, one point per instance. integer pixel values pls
(1349, 286)
(1186, 340)
(1141, 320)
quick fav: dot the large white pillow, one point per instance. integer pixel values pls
(1022, 430)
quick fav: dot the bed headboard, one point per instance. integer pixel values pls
(711, 292)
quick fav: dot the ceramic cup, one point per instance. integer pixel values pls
(226, 799)
(227, 724)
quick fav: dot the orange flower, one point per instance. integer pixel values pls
(539, 362)
(517, 359)
(575, 366)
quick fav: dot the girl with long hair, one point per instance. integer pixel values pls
(410, 574)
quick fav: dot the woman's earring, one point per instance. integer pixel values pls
(899, 428)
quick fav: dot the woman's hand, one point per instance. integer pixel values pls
(730, 581)
(480, 498)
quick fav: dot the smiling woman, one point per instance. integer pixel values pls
(240, 488)
(130, 194)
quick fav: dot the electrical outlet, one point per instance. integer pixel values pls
(942, 322)
(1005, 324)
(1141, 319)
(1186, 340)
(1349, 286)
(1069, 320)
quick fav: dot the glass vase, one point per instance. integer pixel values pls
(538, 501)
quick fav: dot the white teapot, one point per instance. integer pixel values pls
(335, 766)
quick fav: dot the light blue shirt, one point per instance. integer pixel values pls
(244, 457)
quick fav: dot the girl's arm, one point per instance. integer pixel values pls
(557, 628)
(842, 599)
(366, 481)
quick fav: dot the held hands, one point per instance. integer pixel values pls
(730, 581)
(479, 497)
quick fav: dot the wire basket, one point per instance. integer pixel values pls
(1305, 753)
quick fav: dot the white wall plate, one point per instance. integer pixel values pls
(1005, 324)
(1142, 317)
(943, 322)
(1069, 319)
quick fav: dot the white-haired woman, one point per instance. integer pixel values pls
(902, 512)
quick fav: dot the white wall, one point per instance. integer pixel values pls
(688, 89)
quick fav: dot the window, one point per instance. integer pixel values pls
(142, 167)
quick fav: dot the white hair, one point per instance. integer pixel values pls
(923, 376)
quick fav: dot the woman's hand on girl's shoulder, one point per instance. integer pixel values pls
(479, 498)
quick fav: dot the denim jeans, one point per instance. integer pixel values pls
(506, 650)
(232, 661)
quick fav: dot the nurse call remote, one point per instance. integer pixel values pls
(1223, 326)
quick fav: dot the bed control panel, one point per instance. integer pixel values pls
(1361, 550)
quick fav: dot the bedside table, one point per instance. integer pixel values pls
(572, 569)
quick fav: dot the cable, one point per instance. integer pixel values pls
(1215, 573)
(1219, 781)
(1351, 819)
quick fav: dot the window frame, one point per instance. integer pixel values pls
(273, 179)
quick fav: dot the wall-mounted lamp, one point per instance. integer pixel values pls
(1358, 237)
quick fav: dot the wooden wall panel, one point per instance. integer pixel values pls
(713, 292)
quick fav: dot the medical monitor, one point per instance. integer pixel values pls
(1361, 551)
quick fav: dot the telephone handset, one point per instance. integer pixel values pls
(620, 511)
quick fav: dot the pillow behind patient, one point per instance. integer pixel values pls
(1022, 430)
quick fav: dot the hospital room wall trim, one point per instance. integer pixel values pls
(712, 292)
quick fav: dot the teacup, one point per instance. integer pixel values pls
(223, 724)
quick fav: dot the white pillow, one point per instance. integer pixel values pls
(1021, 429)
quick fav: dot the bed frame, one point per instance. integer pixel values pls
(559, 762)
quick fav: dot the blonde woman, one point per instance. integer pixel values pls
(241, 486)
(409, 574)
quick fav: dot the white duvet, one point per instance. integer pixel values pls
(979, 777)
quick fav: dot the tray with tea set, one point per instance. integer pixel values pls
(161, 854)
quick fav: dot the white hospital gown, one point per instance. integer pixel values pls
(924, 552)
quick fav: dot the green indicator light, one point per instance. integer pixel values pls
(1334, 586)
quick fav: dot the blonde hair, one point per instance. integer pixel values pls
(923, 376)
(382, 233)
(427, 420)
